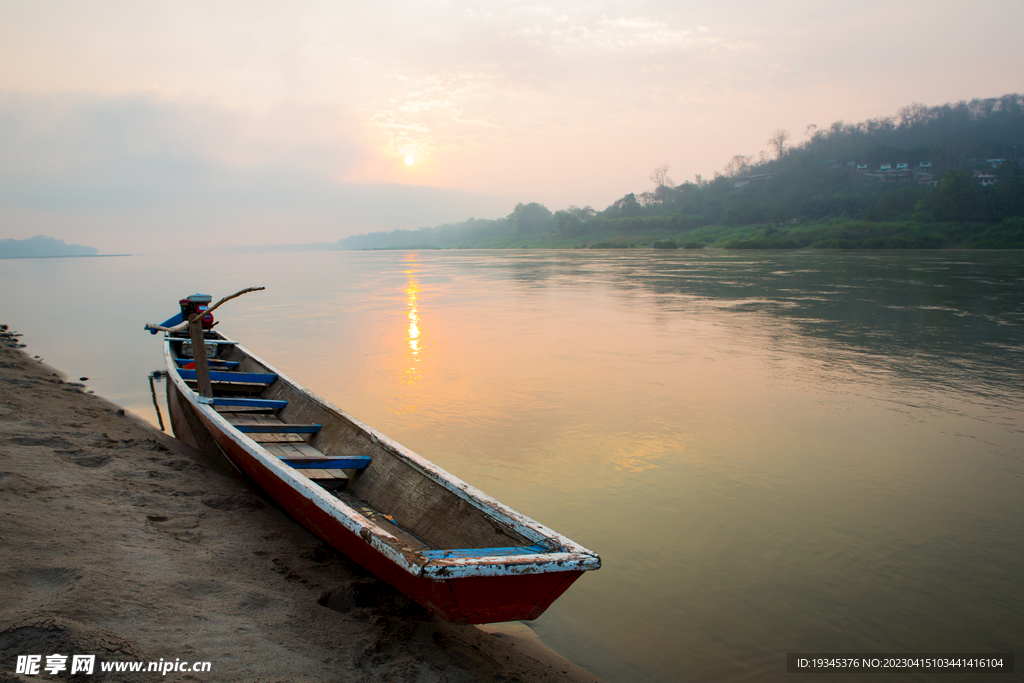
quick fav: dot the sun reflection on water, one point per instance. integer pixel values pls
(413, 334)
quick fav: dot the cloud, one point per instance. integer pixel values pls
(237, 108)
(97, 133)
(495, 72)
(129, 168)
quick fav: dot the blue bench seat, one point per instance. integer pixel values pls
(330, 462)
(277, 428)
(240, 377)
(467, 553)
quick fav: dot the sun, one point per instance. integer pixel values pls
(410, 160)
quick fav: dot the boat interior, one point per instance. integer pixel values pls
(339, 454)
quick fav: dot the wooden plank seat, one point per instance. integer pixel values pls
(188, 340)
(222, 387)
(234, 377)
(264, 438)
(279, 428)
(301, 456)
(296, 449)
(244, 402)
(212, 361)
(322, 477)
(233, 388)
(241, 404)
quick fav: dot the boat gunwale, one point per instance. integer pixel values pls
(565, 555)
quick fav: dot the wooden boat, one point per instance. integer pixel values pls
(446, 545)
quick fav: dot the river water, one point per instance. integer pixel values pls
(772, 452)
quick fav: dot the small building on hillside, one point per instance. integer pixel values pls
(746, 180)
(986, 179)
(887, 174)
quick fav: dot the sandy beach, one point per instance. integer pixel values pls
(118, 541)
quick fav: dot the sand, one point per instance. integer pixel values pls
(119, 541)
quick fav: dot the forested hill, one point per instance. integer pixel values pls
(928, 177)
(42, 246)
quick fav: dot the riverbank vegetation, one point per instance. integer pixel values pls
(929, 177)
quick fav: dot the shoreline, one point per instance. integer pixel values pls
(119, 541)
(38, 256)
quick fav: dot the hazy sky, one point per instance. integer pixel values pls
(273, 122)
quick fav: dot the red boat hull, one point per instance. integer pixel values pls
(477, 599)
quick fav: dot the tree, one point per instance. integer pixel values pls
(660, 177)
(649, 198)
(739, 165)
(568, 223)
(627, 206)
(957, 199)
(662, 188)
(530, 218)
(1009, 190)
(778, 141)
(583, 214)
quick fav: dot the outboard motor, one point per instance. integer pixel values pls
(195, 304)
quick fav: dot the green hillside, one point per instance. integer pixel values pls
(929, 177)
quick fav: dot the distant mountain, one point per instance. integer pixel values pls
(41, 246)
